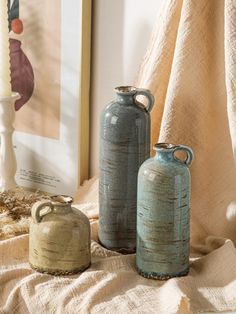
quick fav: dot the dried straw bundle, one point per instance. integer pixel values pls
(15, 206)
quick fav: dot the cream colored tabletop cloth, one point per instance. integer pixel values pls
(111, 284)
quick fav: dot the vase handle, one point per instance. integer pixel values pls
(37, 207)
(188, 152)
(148, 95)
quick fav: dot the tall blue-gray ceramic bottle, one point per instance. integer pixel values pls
(124, 146)
(163, 213)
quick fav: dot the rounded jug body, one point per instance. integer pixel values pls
(59, 240)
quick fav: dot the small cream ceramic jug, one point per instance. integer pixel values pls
(59, 237)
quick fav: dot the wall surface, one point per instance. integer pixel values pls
(120, 33)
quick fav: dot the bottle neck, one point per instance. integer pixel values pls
(62, 209)
(125, 99)
(164, 155)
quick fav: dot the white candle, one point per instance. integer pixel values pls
(5, 76)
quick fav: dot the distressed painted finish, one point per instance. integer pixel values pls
(59, 239)
(163, 214)
(124, 145)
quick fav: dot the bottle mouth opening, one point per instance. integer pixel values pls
(62, 199)
(161, 146)
(125, 89)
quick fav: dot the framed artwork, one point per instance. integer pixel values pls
(50, 65)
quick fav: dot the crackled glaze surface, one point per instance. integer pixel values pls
(124, 145)
(163, 214)
(59, 240)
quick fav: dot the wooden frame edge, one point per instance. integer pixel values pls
(86, 21)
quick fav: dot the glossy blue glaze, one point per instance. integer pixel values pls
(124, 145)
(163, 213)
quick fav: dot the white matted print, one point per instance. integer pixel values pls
(46, 62)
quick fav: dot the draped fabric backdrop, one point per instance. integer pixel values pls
(190, 67)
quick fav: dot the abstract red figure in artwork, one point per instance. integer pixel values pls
(22, 75)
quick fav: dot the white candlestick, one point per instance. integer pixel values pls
(7, 154)
(5, 77)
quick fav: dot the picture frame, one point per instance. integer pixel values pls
(51, 138)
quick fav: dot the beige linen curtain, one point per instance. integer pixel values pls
(190, 67)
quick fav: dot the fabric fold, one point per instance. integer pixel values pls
(195, 105)
(112, 285)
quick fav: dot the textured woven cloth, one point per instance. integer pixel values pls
(111, 284)
(190, 68)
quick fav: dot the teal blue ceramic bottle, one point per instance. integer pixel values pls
(124, 145)
(163, 213)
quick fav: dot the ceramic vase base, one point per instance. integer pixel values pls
(59, 272)
(159, 276)
(123, 251)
